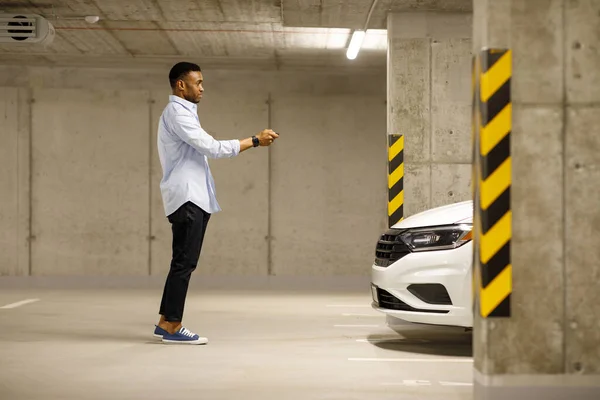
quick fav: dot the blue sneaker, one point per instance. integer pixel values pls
(159, 332)
(183, 336)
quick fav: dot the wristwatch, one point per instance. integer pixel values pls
(255, 141)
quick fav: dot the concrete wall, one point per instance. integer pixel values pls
(429, 80)
(90, 182)
(14, 181)
(312, 204)
(326, 194)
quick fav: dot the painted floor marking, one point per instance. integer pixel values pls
(415, 382)
(19, 303)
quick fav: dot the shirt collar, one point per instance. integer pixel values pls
(187, 104)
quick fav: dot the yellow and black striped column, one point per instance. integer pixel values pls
(493, 177)
(395, 179)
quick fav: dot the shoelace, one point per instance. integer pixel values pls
(186, 332)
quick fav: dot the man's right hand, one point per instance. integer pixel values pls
(267, 137)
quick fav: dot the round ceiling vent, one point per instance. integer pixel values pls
(20, 24)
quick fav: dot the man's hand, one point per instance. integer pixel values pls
(267, 137)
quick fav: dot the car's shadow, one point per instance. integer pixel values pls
(440, 341)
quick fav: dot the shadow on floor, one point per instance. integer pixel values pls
(84, 336)
(424, 340)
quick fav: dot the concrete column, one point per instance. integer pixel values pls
(549, 346)
(429, 61)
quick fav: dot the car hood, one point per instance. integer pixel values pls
(445, 215)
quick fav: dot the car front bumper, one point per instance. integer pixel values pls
(449, 268)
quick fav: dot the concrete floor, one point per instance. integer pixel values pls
(97, 344)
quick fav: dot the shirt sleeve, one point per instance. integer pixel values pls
(190, 131)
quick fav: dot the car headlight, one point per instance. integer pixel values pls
(437, 238)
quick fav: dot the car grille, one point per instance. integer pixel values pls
(388, 301)
(390, 248)
(432, 293)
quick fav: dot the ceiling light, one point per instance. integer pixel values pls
(92, 19)
(355, 43)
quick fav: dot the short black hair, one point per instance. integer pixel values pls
(180, 70)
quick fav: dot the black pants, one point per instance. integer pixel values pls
(188, 224)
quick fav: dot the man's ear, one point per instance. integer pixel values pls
(180, 85)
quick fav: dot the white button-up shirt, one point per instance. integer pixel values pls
(184, 148)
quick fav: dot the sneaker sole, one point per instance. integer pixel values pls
(157, 336)
(200, 341)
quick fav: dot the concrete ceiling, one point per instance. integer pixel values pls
(245, 33)
(353, 13)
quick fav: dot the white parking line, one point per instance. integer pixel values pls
(356, 326)
(456, 384)
(411, 382)
(423, 360)
(408, 383)
(19, 303)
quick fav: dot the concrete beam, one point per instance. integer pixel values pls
(434, 25)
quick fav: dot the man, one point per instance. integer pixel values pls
(188, 190)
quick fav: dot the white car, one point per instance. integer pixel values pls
(422, 269)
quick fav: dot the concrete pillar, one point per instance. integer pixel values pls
(548, 346)
(429, 104)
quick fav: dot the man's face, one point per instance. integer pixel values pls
(191, 86)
